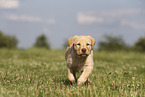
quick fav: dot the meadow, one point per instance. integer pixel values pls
(42, 73)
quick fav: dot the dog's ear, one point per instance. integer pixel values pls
(71, 40)
(92, 41)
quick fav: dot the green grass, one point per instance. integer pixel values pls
(42, 73)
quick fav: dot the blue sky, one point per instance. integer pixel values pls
(62, 19)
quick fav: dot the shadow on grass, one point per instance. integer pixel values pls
(66, 82)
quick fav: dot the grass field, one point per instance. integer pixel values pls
(42, 73)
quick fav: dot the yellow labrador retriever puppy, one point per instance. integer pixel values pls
(79, 57)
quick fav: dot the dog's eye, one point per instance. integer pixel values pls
(78, 44)
(88, 44)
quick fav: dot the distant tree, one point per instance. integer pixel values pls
(112, 43)
(42, 42)
(140, 44)
(7, 41)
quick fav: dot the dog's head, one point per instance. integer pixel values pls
(82, 44)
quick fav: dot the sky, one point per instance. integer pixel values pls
(61, 19)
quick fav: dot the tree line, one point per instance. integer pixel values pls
(115, 43)
(109, 43)
(7, 41)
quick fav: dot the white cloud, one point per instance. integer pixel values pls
(46, 30)
(111, 16)
(51, 21)
(9, 3)
(122, 16)
(132, 24)
(88, 18)
(24, 18)
(121, 12)
(28, 18)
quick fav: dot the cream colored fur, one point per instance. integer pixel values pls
(79, 57)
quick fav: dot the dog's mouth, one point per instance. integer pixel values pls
(84, 54)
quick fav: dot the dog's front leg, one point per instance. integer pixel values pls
(85, 75)
(71, 76)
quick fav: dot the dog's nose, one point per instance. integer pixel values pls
(83, 50)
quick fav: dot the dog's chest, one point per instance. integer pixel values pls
(78, 64)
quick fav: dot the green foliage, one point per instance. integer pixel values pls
(41, 42)
(140, 44)
(112, 43)
(42, 73)
(7, 41)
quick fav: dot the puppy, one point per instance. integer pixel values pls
(79, 57)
